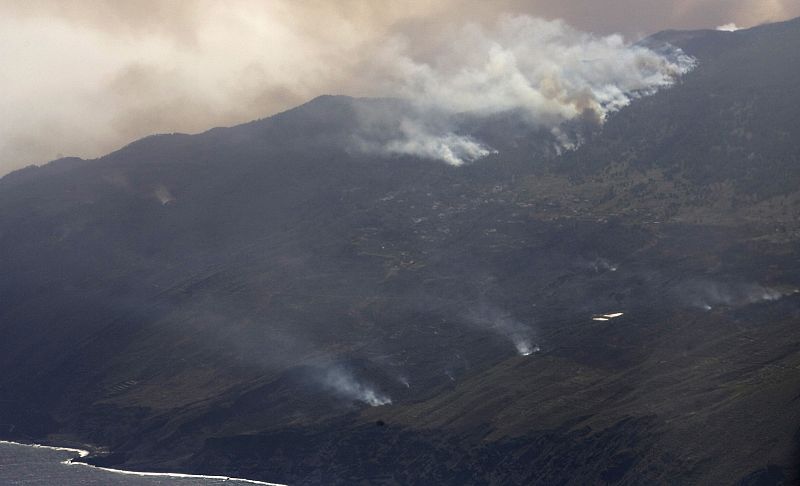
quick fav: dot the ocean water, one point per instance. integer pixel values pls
(28, 465)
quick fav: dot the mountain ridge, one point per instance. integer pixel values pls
(226, 302)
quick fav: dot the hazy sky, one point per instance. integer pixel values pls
(83, 77)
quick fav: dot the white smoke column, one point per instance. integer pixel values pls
(344, 383)
(708, 294)
(449, 147)
(546, 70)
(731, 27)
(163, 195)
(404, 381)
(602, 265)
(520, 335)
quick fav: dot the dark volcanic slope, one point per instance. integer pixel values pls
(217, 303)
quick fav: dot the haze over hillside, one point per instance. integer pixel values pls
(83, 78)
(590, 277)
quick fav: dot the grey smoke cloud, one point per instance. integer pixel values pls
(546, 71)
(707, 294)
(342, 382)
(84, 77)
(522, 336)
(448, 147)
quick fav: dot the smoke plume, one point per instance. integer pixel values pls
(545, 71)
(342, 382)
(730, 27)
(492, 319)
(600, 265)
(706, 294)
(163, 195)
(85, 77)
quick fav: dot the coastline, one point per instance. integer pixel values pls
(81, 453)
